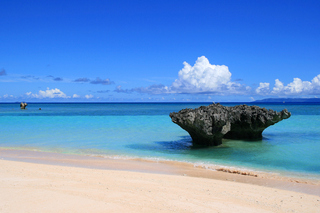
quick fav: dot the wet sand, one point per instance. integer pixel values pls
(37, 181)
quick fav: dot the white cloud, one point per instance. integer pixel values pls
(88, 96)
(278, 87)
(6, 96)
(296, 87)
(316, 81)
(204, 77)
(75, 96)
(263, 89)
(49, 93)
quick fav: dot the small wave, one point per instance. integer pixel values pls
(220, 168)
(292, 177)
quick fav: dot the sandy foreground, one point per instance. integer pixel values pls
(31, 187)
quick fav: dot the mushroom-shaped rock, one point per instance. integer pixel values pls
(207, 125)
(23, 105)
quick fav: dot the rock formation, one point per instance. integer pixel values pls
(207, 125)
(23, 105)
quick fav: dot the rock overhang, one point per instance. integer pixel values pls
(208, 125)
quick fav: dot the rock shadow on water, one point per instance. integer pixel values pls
(182, 146)
(237, 151)
(184, 143)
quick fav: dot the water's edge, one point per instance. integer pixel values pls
(145, 131)
(273, 180)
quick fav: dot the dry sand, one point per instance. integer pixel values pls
(31, 187)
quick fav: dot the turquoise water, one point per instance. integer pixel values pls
(145, 130)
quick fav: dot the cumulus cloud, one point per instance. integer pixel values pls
(3, 72)
(278, 87)
(49, 93)
(263, 89)
(204, 77)
(201, 78)
(88, 96)
(296, 87)
(75, 96)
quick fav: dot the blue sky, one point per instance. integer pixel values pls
(158, 50)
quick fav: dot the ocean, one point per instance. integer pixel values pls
(145, 130)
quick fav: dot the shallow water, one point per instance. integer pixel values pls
(145, 130)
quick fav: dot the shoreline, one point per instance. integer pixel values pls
(32, 187)
(174, 168)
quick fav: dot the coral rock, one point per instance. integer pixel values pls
(207, 125)
(23, 105)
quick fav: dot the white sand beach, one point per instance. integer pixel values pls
(32, 187)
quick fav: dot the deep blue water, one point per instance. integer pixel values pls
(145, 130)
